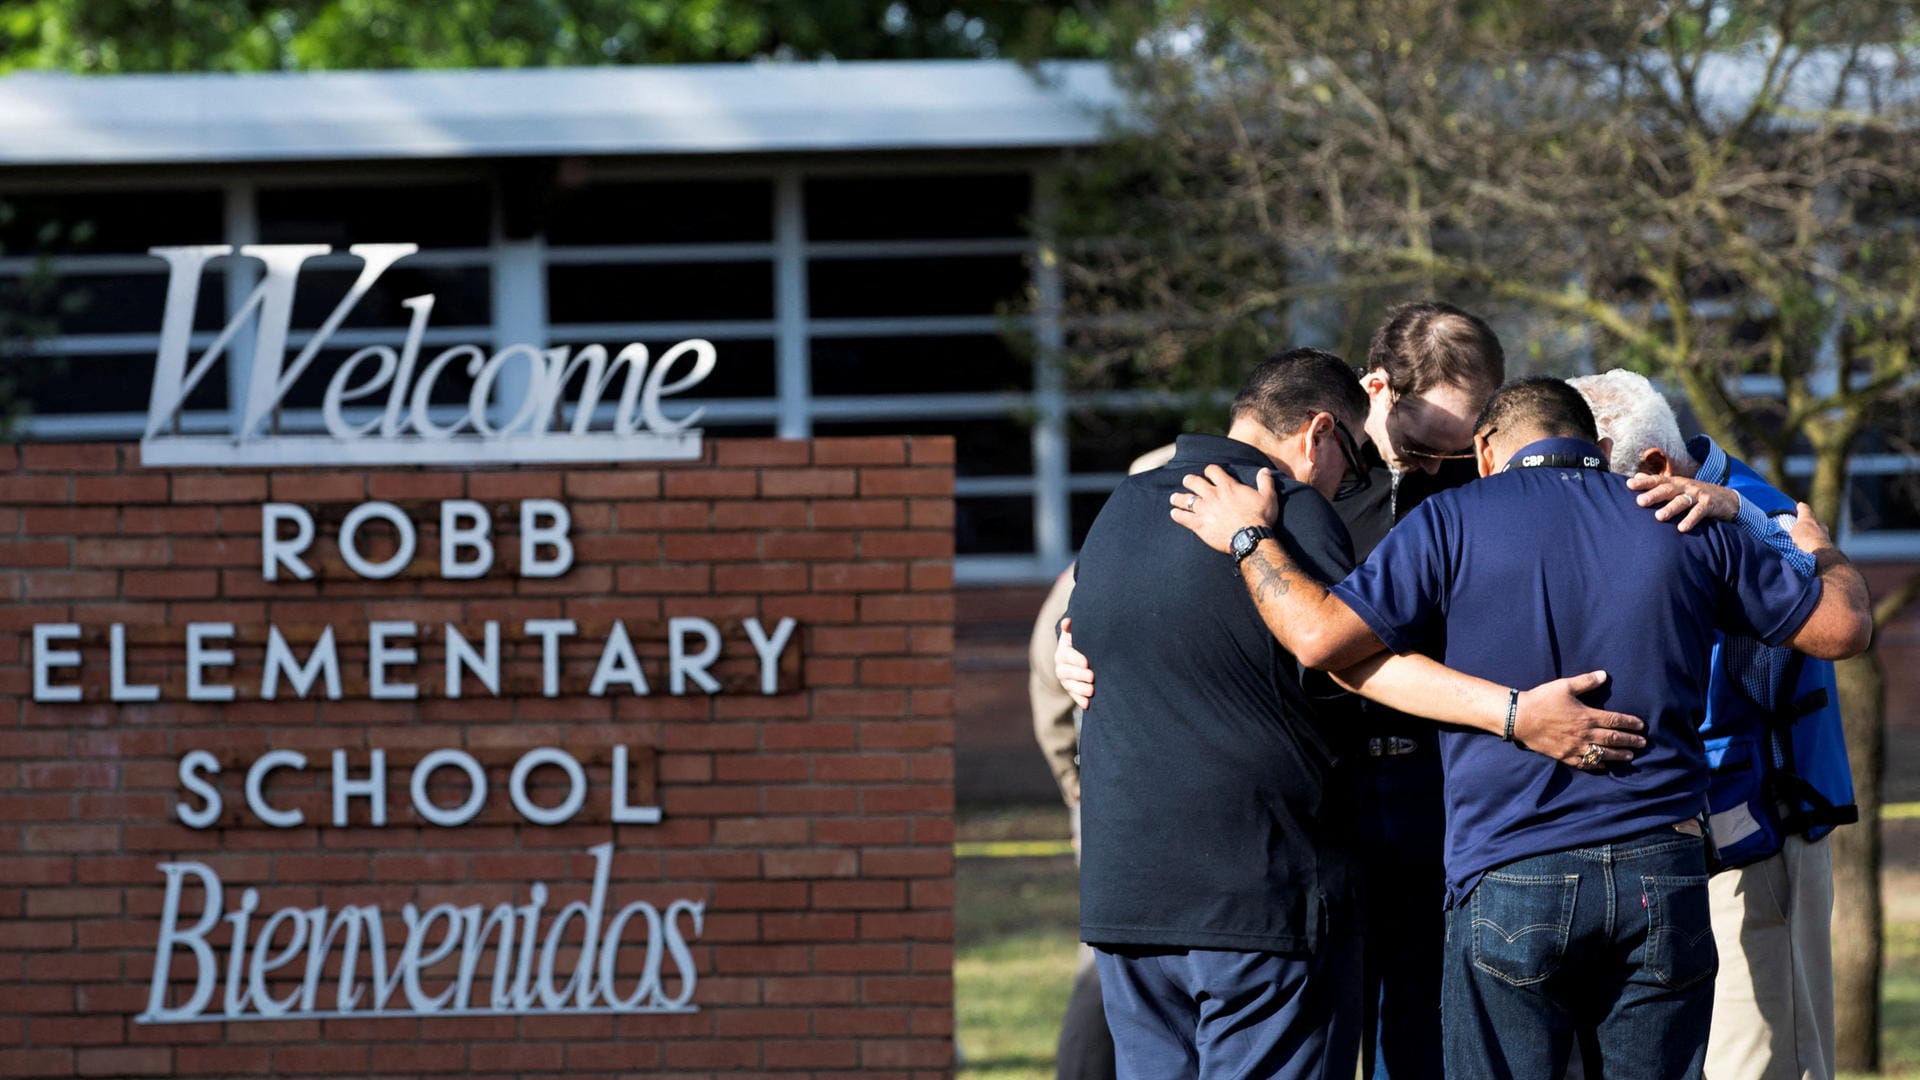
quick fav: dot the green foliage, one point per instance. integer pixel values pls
(118, 36)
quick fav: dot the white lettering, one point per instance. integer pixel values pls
(618, 664)
(465, 524)
(350, 540)
(550, 631)
(484, 665)
(769, 647)
(544, 523)
(373, 788)
(46, 658)
(625, 813)
(117, 686)
(682, 665)
(322, 663)
(576, 786)
(192, 765)
(476, 788)
(277, 551)
(382, 654)
(257, 782)
(201, 656)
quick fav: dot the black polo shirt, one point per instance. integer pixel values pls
(1372, 510)
(1209, 814)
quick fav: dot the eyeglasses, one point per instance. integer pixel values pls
(1357, 473)
(1415, 451)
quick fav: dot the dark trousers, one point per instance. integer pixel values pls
(1609, 945)
(1086, 1047)
(1401, 834)
(1182, 1014)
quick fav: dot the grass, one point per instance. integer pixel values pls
(1017, 928)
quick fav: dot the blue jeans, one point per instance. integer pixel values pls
(1186, 1014)
(1610, 945)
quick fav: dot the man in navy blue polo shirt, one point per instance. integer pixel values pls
(1578, 901)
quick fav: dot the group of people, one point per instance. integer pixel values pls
(1475, 728)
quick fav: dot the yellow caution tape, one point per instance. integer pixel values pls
(1012, 849)
(1900, 811)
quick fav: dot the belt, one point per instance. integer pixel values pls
(1394, 746)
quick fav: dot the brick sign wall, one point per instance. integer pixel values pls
(750, 865)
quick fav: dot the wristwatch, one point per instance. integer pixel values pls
(1247, 539)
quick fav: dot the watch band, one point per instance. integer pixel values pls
(1247, 541)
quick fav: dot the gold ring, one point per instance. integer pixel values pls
(1592, 756)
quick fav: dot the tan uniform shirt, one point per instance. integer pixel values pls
(1053, 712)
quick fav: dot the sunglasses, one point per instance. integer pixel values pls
(1357, 473)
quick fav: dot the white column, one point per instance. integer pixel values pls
(519, 309)
(242, 226)
(791, 352)
(1052, 504)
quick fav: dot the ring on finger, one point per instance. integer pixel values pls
(1591, 757)
(1193, 497)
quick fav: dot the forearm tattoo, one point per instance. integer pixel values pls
(1270, 581)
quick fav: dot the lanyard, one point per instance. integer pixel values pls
(1556, 461)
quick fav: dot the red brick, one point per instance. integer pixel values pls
(124, 1061)
(791, 483)
(810, 864)
(517, 484)
(616, 483)
(170, 584)
(69, 457)
(33, 553)
(121, 490)
(885, 482)
(907, 989)
(859, 513)
(760, 578)
(712, 484)
(71, 521)
(18, 490)
(810, 1054)
(219, 488)
(900, 672)
(861, 451)
(761, 451)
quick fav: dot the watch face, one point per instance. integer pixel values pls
(1244, 542)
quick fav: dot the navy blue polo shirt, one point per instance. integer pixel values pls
(1539, 573)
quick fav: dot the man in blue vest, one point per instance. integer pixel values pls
(1779, 781)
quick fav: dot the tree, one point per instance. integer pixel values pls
(267, 35)
(1720, 194)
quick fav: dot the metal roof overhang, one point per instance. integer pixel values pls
(56, 119)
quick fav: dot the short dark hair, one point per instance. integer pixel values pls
(1286, 390)
(1426, 343)
(1539, 404)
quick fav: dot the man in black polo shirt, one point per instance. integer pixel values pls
(1578, 901)
(1214, 870)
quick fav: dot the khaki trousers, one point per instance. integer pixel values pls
(1773, 998)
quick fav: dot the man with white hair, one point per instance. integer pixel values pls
(1780, 781)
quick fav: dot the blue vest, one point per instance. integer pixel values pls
(1778, 772)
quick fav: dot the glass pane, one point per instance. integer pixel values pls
(433, 216)
(663, 212)
(918, 207)
(114, 304)
(1108, 442)
(995, 525)
(982, 447)
(461, 297)
(918, 365)
(1885, 502)
(660, 292)
(50, 385)
(974, 285)
(117, 223)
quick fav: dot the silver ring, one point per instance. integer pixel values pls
(1193, 497)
